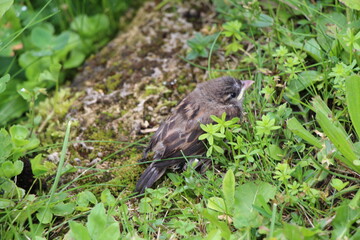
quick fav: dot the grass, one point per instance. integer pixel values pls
(288, 170)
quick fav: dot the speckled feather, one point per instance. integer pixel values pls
(178, 134)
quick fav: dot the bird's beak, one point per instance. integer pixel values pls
(246, 85)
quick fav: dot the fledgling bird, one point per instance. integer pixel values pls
(178, 135)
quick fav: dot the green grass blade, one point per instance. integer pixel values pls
(60, 168)
(336, 133)
(353, 101)
(339, 139)
(321, 107)
(62, 159)
(297, 128)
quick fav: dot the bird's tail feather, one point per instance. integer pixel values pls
(148, 178)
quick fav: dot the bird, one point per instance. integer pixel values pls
(178, 135)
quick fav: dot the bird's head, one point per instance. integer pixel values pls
(225, 90)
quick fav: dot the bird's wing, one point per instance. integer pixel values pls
(178, 135)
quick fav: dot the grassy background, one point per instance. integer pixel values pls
(289, 170)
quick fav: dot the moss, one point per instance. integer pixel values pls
(104, 118)
(157, 89)
(113, 82)
(127, 170)
(170, 103)
(95, 134)
(151, 89)
(182, 89)
(130, 71)
(121, 174)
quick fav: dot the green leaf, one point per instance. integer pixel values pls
(200, 45)
(19, 135)
(205, 127)
(336, 133)
(293, 43)
(275, 152)
(26, 94)
(3, 81)
(83, 199)
(78, 231)
(5, 145)
(341, 142)
(44, 215)
(262, 20)
(34, 65)
(297, 128)
(9, 190)
(4, 6)
(33, 143)
(232, 47)
(192, 55)
(219, 135)
(214, 234)
(294, 232)
(203, 136)
(51, 74)
(63, 209)
(218, 149)
(353, 4)
(344, 219)
(211, 140)
(245, 214)
(312, 48)
(352, 85)
(145, 207)
(75, 59)
(209, 151)
(338, 184)
(217, 204)
(42, 37)
(305, 80)
(10, 169)
(97, 221)
(11, 107)
(61, 41)
(95, 27)
(232, 29)
(327, 26)
(111, 232)
(228, 189)
(37, 167)
(6, 203)
(107, 198)
(355, 202)
(213, 219)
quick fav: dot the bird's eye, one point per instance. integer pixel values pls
(233, 95)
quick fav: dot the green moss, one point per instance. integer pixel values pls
(104, 118)
(57, 105)
(113, 82)
(184, 86)
(127, 173)
(182, 89)
(123, 112)
(151, 89)
(94, 133)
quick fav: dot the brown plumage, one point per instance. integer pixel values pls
(178, 135)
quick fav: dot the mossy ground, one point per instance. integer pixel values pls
(124, 92)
